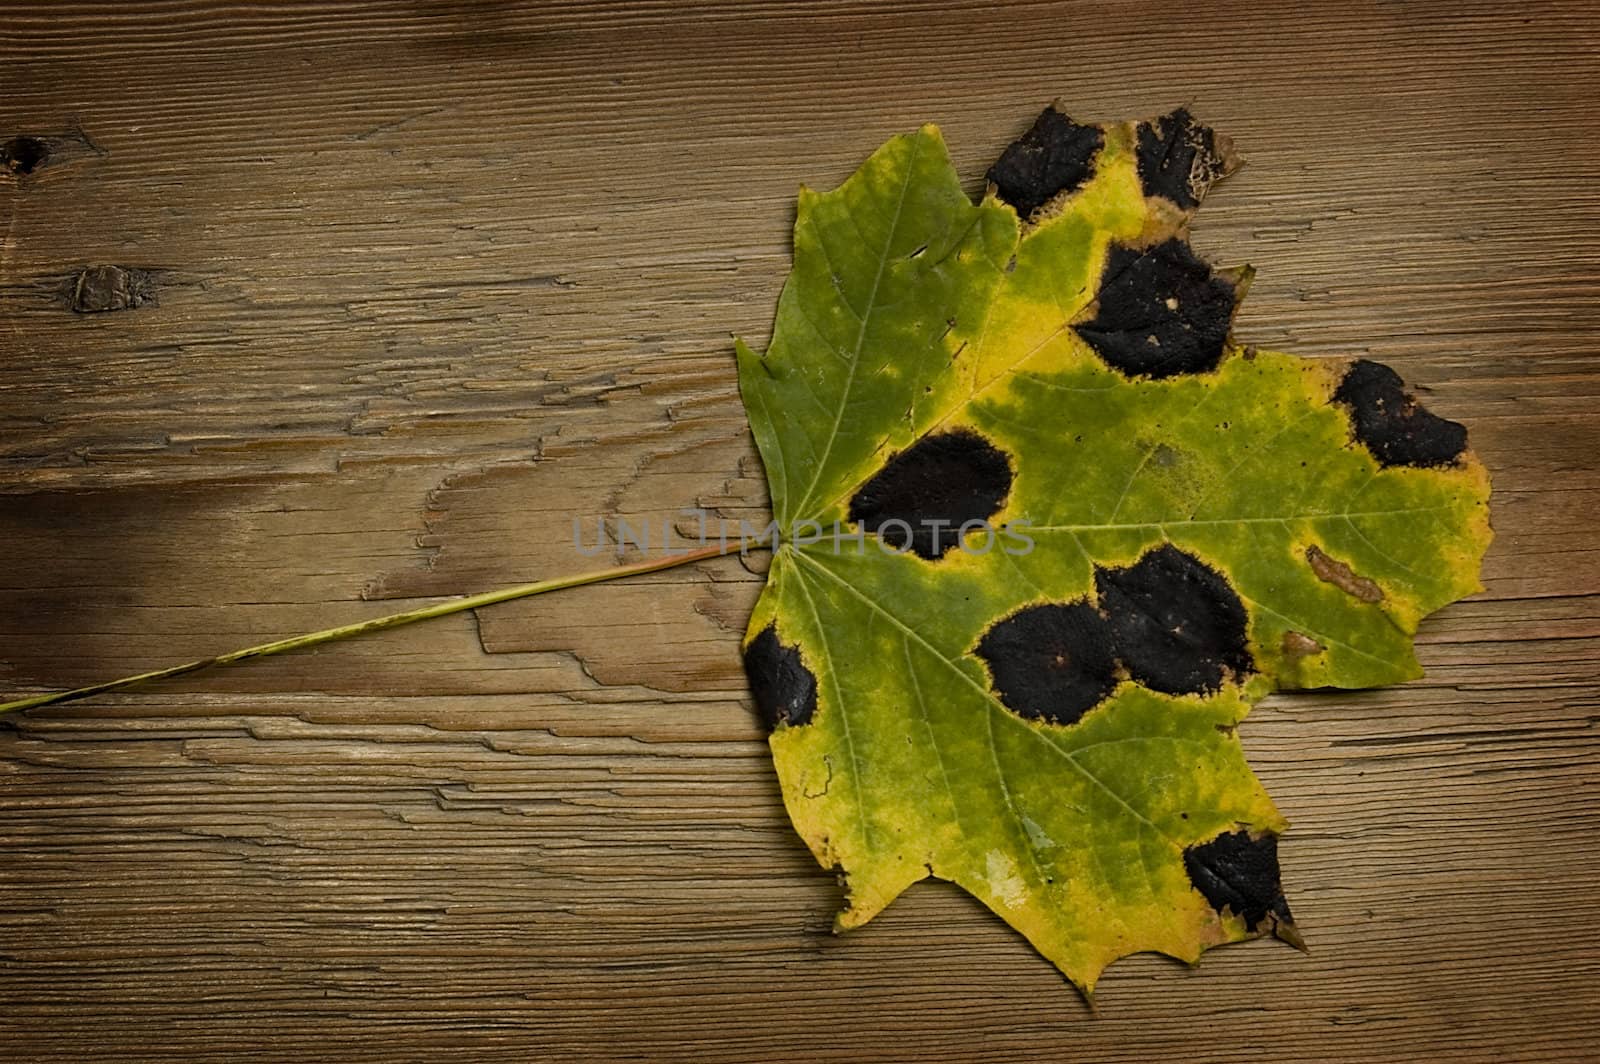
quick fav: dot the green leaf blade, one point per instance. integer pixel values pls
(892, 271)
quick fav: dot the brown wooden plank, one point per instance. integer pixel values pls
(428, 279)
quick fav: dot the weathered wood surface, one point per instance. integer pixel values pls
(426, 280)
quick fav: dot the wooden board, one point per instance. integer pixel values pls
(418, 283)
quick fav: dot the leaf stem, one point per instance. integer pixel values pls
(394, 620)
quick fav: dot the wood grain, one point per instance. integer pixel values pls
(427, 279)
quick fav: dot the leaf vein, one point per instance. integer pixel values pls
(839, 708)
(866, 317)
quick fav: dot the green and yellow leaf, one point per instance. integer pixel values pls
(1161, 527)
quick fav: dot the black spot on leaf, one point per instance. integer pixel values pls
(1056, 155)
(1053, 662)
(924, 494)
(785, 691)
(1392, 424)
(1161, 312)
(1179, 158)
(1238, 873)
(1177, 625)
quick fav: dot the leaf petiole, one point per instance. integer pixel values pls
(395, 620)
